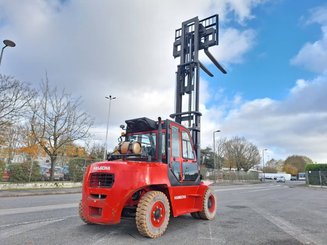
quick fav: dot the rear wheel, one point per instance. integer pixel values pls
(81, 213)
(152, 214)
(209, 206)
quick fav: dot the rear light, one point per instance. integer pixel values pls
(105, 180)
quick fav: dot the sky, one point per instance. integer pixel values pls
(275, 53)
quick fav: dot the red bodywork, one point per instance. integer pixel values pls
(104, 204)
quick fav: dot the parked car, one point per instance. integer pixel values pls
(293, 177)
(280, 179)
(57, 175)
(301, 176)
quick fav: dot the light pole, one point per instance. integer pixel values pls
(263, 163)
(8, 43)
(214, 146)
(110, 98)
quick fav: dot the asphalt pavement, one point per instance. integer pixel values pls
(267, 213)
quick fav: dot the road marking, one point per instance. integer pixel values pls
(264, 189)
(18, 228)
(36, 221)
(27, 227)
(36, 209)
(101, 238)
(210, 233)
(294, 231)
(247, 188)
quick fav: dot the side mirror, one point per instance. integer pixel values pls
(122, 127)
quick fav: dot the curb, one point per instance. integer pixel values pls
(318, 186)
(39, 192)
(39, 185)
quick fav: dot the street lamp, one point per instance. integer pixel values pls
(8, 43)
(214, 146)
(263, 163)
(110, 98)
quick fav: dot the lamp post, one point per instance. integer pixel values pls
(263, 163)
(214, 146)
(7, 43)
(110, 98)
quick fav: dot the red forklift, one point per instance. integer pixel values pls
(154, 172)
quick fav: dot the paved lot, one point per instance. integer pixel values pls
(267, 213)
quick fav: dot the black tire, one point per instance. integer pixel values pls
(81, 214)
(209, 206)
(152, 214)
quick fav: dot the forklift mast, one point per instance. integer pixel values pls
(193, 36)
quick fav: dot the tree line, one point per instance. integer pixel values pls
(47, 121)
(39, 121)
(240, 154)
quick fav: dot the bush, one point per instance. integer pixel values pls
(76, 169)
(316, 167)
(21, 172)
(2, 168)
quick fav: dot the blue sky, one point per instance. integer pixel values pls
(266, 70)
(275, 52)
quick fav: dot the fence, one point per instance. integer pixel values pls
(70, 168)
(229, 176)
(317, 178)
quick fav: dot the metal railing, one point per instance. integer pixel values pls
(317, 178)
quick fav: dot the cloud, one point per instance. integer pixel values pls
(240, 41)
(313, 55)
(318, 15)
(239, 10)
(296, 125)
(122, 48)
(300, 85)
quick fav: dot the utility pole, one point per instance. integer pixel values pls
(7, 43)
(110, 98)
(214, 147)
(263, 164)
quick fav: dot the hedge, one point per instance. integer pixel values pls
(76, 169)
(21, 172)
(2, 168)
(316, 167)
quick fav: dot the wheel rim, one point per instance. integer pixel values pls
(211, 204)
(158, 214)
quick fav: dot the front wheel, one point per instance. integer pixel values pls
(209, 206)
(152, 214)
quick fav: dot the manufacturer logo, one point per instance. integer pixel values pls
(97, 168)
(180, 197)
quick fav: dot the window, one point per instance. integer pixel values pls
(175, 142)
(147, 140)
(187, 146)
(163, 145)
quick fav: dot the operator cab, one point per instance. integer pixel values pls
(139, 142)
(165, 142)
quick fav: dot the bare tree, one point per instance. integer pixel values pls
(220, 152)
(14, 97)
(57, 121)
(10, 137)
(95, 151)
(241, 154)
